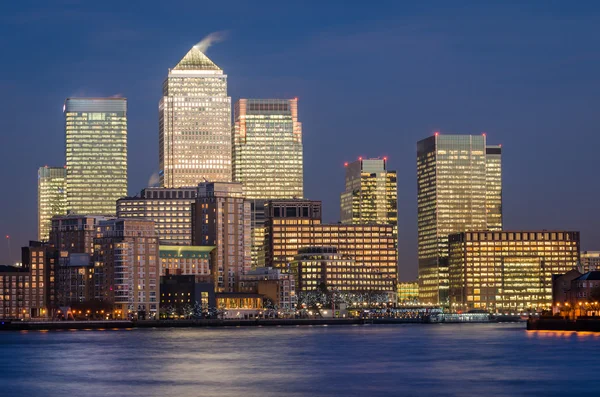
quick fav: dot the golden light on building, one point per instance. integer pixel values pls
(194, 123)
(96, 154)
(371, 194)
(508, 271)
(459, 184)
(52, 198)
(267, 148)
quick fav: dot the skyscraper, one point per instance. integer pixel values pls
(267, 148)
(52, 198)
(96, 154)
(194, 124)
(459, 183)
(267, 158)
(371, 195)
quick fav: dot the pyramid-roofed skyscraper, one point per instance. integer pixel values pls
(194, 123)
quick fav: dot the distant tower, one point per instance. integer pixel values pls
(96, 154)
(194, 124)
(371, 195)
(459, 188)
(52, 198)
(267, 158)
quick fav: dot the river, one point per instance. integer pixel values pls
(363, 360)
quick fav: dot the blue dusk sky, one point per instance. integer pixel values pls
(372, 78)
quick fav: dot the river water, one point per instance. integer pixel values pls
(362, 360)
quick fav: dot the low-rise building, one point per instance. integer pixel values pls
(408, 292)
(508, 271)
(240, 304)
(272, 283)
(324, 267)
(186, 295)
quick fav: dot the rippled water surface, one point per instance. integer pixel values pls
(383, 360)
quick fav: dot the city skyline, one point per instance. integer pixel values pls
(324, 171)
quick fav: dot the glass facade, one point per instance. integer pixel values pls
(194, 124)
(508, 272)
(459, 184)
(96, 154)
(267, 148)
(52, 198)
(371, 195)
(408, 292)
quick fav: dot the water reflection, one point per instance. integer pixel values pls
(440, 359)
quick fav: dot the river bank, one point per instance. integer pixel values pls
(589, 324)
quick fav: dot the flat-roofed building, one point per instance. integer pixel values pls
(408, 292)
(296, 224)
(52, 198)
(185, 260)
(315, 268)
(590, 261)
(169, 208)
(270, 282)
(508, 271)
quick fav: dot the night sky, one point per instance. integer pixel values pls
(371, 81)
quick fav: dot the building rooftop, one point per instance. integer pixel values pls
(595, 275)
(196, 60)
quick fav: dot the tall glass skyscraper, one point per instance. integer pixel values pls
(459, 183)
(52, 198)
(194, 124)
(371, 194)
(267, 148)
(96, 154)
(267, 158)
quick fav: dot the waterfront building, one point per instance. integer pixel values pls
(257, 223)
(185, 260)
(221, 219)
(169, 208)
(186, 295)
(590, 261)
(584, 294)
(295, 224)
(316, 267)
(408, 292)
(371, 195)
(272, 283)
(96, 154)
(27, 292)
(508, 271)
(561, 284)
(127, 267)
(267, 148)
(52, 198)
(194, 123)
(73, 238)
(240, 304)
(459, 185)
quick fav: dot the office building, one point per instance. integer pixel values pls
(127, 267)
(194, 124)
(408, 292)
(371, 195)
(316, 267)
(508, 271)
(170, 209)
(295, 224)
(271, 283)
(96, 154)
(267, 148)
(221, 219)
(590, 261)
(76, 282)
(52, 198)
(185, 260)
(459, 185)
